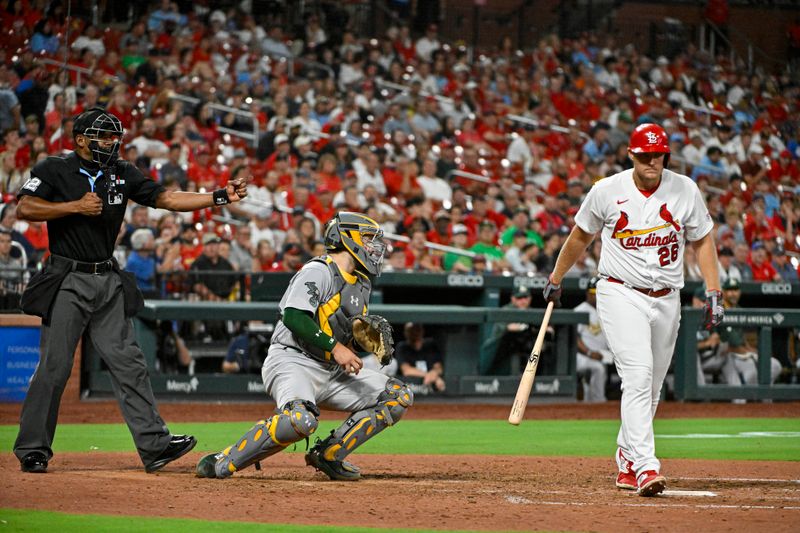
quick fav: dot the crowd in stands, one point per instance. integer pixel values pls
(489, 152)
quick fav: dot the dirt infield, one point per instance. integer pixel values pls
(404, 491)
(442, 492)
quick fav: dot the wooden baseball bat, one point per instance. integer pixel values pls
(526, 382)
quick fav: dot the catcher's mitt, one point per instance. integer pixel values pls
(374, 334)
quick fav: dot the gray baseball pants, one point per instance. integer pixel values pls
(94, 304)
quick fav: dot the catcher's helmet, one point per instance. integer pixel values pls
(104, 132)
(359, 235)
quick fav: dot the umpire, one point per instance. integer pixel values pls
(81, 291)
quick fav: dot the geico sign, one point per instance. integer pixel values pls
(465, 280)
(531, 283)
(776, 288)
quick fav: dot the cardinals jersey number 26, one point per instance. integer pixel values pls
(643, 238)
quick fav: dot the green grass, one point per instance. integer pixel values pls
(22, 520)
(726, 438)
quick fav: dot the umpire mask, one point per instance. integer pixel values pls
(104, 132)
(359, 235)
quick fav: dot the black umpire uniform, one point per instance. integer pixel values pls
(81, 292)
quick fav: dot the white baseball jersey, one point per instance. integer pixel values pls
(643, 237)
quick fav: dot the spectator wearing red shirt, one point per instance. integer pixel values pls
(282, 151)
(785, 221)
(202, 171)
(265, 257)
(324, 209)
(735, 191)
(400, 179)
(440, 234)
(419, 257)
(61, 140)
(558, 183)
(757, 225)
(404, 45)
(291, 259)
(762, 269)
(119, 105)
(784, 166)
(468, 136)
(564, 99)
(37, 236)
(326, 176)
(471, 163)
(190, 245)
(551, 219)
(480, 212)
(14, 143)
(492, 132)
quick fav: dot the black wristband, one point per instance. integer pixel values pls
(221, 197)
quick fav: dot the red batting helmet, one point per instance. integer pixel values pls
(649, 138)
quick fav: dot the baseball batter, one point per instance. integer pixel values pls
(645, 216)
(311, 361)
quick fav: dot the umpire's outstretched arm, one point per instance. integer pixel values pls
(38, 210)
(191, 201)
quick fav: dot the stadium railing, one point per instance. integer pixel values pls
(462, 331)
(456, 325)
(251, 137)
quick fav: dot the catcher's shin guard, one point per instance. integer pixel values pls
(295, 421)
(328, 455)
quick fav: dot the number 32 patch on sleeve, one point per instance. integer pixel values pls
(32, 184)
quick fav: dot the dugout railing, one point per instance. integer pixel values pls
(478, 300)
(464, 330)
(461, 329)
(769, 325)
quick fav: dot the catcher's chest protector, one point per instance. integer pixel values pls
(333, 315)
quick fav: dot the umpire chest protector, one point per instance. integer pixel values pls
(350, 298)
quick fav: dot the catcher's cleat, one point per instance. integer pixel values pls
(206, 467)
(336, 470)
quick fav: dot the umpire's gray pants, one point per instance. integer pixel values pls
(94, 304)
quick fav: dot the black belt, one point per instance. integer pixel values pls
(81, 266)
(649, 292)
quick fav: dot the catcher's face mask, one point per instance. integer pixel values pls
(104, 133)
(359, 235)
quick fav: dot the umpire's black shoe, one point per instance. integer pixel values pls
(34, 463)
(178, 446)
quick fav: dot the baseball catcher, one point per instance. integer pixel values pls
(313, 359)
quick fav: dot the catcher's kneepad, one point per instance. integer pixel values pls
(363, 425)
(396, 398)
(373, 333)
(294, 422)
